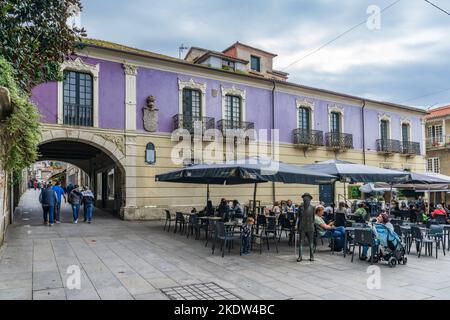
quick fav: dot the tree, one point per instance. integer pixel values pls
(35, 38)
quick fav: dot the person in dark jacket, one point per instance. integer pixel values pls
(340, 219)
(74, 199)
(305, 226)
(48, 199)
(88, 204)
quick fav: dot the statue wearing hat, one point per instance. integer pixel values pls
(305, 226)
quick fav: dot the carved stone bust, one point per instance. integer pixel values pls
(150, 115)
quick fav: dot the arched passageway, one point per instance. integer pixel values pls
(106, 173)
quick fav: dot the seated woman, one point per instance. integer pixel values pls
(328, 230)
(290, 210)
(382, 218)
(341, 219)
(439, 211)
(361, 214)
(275, 211)
(238, 211)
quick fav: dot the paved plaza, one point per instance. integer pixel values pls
(138, 260)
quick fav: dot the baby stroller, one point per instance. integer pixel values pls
(390, 247)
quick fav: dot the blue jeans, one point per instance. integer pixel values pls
(88, 212)
(246, 244)
(75, 211)
(48, 213)
(338, 234)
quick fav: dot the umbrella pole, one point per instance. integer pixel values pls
(207, 192)
(254, 200)
(390, 199)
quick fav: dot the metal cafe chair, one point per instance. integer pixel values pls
(168, 220)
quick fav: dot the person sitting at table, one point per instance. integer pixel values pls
(361, 213)
(290, 210)
(209, 209)
(276, 209)
(439, 211)
(413, 212)
(341, 219)
(238, 211)
(382, 218)
(328, 230)
(348, 210)
(223, 207)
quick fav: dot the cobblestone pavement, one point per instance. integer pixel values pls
(135, 260)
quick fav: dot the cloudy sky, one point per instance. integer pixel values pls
(405, 61)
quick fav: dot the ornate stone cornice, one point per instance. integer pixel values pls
(80, 65)
(304, 103)
(384, 116)
(335, 108)
(130, 69)
(233, 91)
(191, 84)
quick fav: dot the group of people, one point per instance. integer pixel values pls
(419, 211)
(51, 197)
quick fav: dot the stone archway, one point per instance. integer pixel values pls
(101, 152)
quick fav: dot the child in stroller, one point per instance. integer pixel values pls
(387, 244)
(390, 247)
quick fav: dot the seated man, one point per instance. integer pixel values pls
(329, 230)
(361, 213)
(223, 207)
(382, 218)
(439, 211)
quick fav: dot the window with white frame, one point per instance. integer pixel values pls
(434, 165)
(384, 130)
(434, 134)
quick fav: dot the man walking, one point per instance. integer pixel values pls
(59, 193)
(305, 226)
(74, 199)
(88, 204)
(48, 199)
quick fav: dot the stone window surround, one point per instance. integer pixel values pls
(388, 119)
(407, 122)
(191, 84)
(233, 91)
(78, 65)
(304, 103)
(338, 109)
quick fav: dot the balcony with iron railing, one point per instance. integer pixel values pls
(338, 141)
(237, 129)
(389, 146)
(181, 121)
(437, 142)
(411, 148)
(308, 138)
(77, 115)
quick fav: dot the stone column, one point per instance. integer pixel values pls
(130, 210)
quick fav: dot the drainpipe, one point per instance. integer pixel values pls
(271, 134)
(363, 132)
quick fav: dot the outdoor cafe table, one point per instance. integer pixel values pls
(210, 218)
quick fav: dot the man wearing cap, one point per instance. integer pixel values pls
(305, 226)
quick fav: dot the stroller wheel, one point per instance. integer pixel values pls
(405, 260)
(392, 262)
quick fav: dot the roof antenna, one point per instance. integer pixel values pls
(181, 49)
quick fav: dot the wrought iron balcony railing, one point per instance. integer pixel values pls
(304, 137)
(438, 142)
(77, 115)
(339, 141)
(411, 148)
(235, 124)
(389, 146)
(181, 121)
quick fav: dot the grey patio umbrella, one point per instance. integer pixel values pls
(244, 171)
(354, 172)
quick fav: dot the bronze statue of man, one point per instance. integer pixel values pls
(305, 226)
